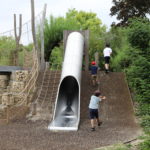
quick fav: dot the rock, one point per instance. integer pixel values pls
(4, 77)
(3, 81)
(18, 98)
(7, 99)
(20, 75)
(2, 110)
(16, 86)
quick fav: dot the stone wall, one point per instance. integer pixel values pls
(19, 75)
(15, 99)
(7, 99)
(10, 89)
(4, 81)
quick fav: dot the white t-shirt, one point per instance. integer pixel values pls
(94, 102)
(107, 51)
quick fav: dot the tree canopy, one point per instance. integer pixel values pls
(74, 20)
(125, 9)
(86, 20)
(139, 33)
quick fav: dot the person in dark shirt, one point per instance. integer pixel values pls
(94, 69)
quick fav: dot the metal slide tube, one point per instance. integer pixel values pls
(67, 105)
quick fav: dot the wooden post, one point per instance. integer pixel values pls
(97, 58)
(17, 38)
(42, 37)
(97, 63)
(86, 36)
(33, 31)
(33, 25)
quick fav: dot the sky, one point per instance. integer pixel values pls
(54, 7)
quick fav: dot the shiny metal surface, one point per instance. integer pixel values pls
(67, 106)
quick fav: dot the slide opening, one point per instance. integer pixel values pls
(66, 114)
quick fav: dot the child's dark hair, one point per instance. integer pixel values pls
(107, 45)
(97, 93)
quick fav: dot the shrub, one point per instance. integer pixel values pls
(146, 144)
(139, 33)
(7, 46)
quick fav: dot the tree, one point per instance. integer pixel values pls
(86, 20)
(139, 33)
(74, 20)
(89, 21)
(53, 32)
(125, 9)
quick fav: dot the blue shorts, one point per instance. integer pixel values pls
(93, 113)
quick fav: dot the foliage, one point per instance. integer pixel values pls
(146, 144)
(139, 33)
(144, 109)
(28, 47)
(57, 55)
(90, 21)
(125, 9)
(138, 74)
(96, 44)
(53, 32)
(86, 20)
(74, 20)
(115, 147)
(6, 43)
(7, 46)
(146, 123)
(7, 49)
(121, 48)
(132, 56)
(118, 37)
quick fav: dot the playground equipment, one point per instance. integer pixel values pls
(67, 105)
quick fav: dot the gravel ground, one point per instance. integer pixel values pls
(119, 124)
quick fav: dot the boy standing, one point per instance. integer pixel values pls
(94, 69)
(107, 53)
(93, 108)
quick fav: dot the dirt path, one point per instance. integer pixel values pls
(116, 112)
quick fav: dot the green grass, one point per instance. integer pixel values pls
(115, 147)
